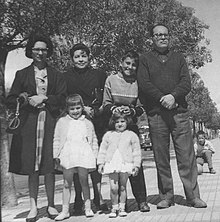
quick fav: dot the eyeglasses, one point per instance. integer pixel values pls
(161, 35)
(43, 50)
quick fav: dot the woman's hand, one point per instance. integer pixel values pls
(23, 98)
(100, 168)
(135, 171)
(89, 110)
(37, 100)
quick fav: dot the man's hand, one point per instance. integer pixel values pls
(168, 101)
(89, 110)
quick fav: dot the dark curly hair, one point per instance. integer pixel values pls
(37, 37)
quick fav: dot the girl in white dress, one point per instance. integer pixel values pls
(75, 149)
(119, 156)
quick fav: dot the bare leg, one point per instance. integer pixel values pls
(67, 184)
(68, 179)
(84, 180)
(123, 182)
(113, 179)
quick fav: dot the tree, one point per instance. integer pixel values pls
(113, 26)
(201, 106)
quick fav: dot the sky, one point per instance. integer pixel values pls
(206, 10)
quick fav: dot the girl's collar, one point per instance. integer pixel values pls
(82, 117)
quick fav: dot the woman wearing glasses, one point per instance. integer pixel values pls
(41, 89)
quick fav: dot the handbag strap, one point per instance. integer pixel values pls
(17, 107)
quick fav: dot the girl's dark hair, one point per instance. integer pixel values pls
(131, 54)
(115, 116)
(155, 25)
(37, 37)
(79, 46)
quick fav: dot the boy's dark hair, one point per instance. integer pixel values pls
(131, 54)
(115, 116)
(155, 25)
(38, 37)
(79, 46)
(200, 132)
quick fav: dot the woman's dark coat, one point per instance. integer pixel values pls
(23, 147)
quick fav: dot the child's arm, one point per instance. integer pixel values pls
(95, 147)
(210, 146)
(56, 140)
(103, 150)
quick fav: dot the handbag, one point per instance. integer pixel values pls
(16, 121)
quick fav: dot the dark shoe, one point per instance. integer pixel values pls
(143, 207)
(51, 216)
(197, 203)
(103, 207)
(165, 204)
(33, 219)
(212, 171)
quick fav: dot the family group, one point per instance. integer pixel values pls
(84, 122)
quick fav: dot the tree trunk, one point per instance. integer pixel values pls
(8, 192)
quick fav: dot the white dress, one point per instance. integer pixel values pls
(77, 152)
(117, 165)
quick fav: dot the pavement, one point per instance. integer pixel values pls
(209, 189)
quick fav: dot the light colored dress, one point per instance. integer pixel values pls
(77, 152)
(117, 165)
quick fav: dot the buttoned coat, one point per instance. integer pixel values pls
(23, 146)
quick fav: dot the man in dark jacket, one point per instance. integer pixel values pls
(164, 81)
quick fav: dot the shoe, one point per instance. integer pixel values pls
(62, 216)
(54, 214)
(113, 213)
(165, 204)
(122, 213)
(103, 207)
(89, 213)
(212, 171)
(143, 207)
(32, 219)
(197, 203)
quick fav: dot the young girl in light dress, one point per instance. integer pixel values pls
(75, 149)
(119, 156)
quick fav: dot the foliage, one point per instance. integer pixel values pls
(111, 27)
(201, 106)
